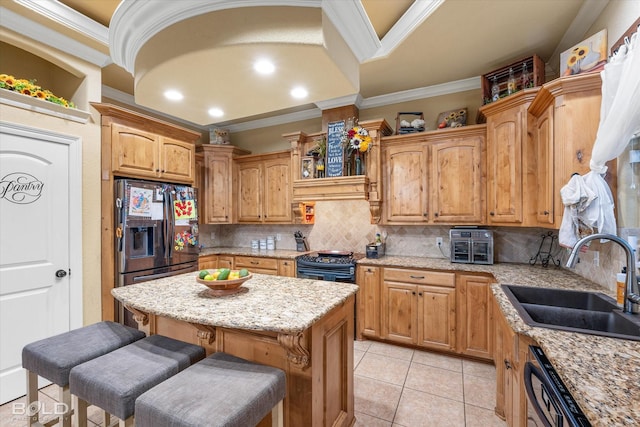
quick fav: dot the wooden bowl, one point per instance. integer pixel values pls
(224, 287)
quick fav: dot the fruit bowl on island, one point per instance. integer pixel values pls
(223, 281)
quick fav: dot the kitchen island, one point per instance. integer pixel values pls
(304, 327)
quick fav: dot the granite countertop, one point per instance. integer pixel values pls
(269, 303)
(603, 374)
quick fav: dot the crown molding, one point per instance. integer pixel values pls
(135, 22)
(417, 13)
(353, 24)
(64, 15)
(49, 37)
(312, 113)
(354, 99)
(421, 93)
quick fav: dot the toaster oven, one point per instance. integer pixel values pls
(471, 245)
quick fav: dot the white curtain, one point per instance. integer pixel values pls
(619, 121)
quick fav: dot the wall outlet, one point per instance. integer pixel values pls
(278, 237)
(213, 235)
(596, 258)
(439, 241)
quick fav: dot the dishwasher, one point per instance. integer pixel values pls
(549, 402)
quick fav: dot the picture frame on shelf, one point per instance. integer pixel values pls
(452, 119)
(588, 56)
(308, 167)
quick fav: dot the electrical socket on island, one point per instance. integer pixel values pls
(439, 241)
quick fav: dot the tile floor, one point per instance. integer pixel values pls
(394, 387)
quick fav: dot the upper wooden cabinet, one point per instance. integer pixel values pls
(506, 139)
(435, 177)
(564, 120)
(263, 188)
(216, 200)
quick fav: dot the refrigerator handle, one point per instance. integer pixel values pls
(168, 222)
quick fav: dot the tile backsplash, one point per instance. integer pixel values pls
(345, 225)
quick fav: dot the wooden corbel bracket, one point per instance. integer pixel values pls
(297, 353)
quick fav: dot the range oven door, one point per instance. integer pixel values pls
(549, 403)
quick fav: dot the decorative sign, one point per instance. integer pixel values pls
(20, 188)
(334, 148)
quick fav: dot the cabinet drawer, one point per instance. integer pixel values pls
(420, 277)
(253, 263)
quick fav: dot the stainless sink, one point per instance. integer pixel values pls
(575, 311)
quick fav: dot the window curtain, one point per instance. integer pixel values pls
(588, 199)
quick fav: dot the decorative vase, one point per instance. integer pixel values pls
(358, 164)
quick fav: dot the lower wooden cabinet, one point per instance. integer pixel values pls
(207, 261)
(368, 301)
(418, 307)
(262, 265)
(287, 267)
(474, 310)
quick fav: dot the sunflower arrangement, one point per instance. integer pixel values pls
(30, 88)
(357, 139)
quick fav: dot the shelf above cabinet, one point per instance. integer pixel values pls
(338, 188)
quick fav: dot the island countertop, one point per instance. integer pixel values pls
(267, 303)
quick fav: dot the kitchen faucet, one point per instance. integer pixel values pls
(631, 298)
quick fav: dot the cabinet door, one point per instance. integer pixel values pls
(436, 317)
(400, 312)
(474, 316)
(504, 166)
(457, 187)
(225, 261)
(177, 160)
(543, 145)
(406, 189)
(249, 205)
(218, 189)
(368, 279)
(504, 359)
(208, 261)
(198, 182)
(134, 152)
(287, 268)
(276, 191)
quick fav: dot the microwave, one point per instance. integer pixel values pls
(471, 245)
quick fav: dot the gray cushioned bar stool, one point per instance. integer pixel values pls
(221, 390)
(114, 381)
(52, 358)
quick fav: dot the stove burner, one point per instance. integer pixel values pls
(327, 265)
(324, 259)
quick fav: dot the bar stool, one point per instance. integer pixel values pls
(54, 357)
(221, 390)
(114, 381)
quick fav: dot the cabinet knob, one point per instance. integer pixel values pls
(420, 294)
(425, 214)
(507, 364)
(546, 212)
(579, 156)
(369, 270)
(492, 213)
(435, 214)
(413, 293)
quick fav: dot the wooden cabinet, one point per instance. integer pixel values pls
(564, 117)
(207, 261)
(419, 308)
(216, 195)
(257, 264)
(287, 267)
(368, 301)
(263, 193)
(139, 154)
(474, 315)
(226, 261)
(435, 177)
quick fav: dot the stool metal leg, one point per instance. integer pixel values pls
(32, 396)
(277, 415)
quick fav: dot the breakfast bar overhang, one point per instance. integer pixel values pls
(304, 327)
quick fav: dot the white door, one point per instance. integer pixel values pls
(35, 213)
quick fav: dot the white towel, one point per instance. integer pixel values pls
(588, 208)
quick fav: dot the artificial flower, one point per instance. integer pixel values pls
(357, 138)
(29, 88)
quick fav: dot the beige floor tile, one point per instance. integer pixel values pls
(480, 391)
(357, 356)
(480, 417)
(364, 420)
(432, 380)
(383, 368)
(438, 360)
(389, 350)
(418, 409)
(478, 369)
(376, 398)
(361, 345)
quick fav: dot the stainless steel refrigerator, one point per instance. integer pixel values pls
(156, 233)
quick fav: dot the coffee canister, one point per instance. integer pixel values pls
(263, 244)
(255, 244)
(271, 243)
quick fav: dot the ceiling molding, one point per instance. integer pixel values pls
(421, 93)
(125, 98)
(410, 20)
(52, 38)
(353, 24)
(312, 113)
(354, 99)
(64, 15)
(135, 22)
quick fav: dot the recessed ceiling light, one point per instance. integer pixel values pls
(173, 95)
(264, 66)
(216, 112)
(299, 92)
